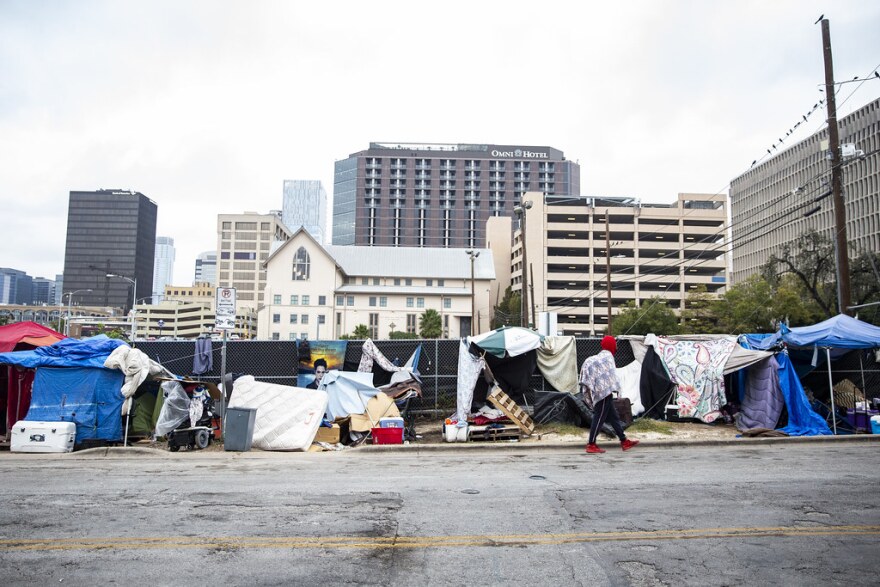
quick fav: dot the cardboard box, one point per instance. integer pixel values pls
(336, 434)
(380, 406)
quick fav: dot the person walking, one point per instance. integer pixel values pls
(598, 381)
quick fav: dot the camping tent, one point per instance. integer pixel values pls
(15, 384)
(511, 354)
(72, 385)
(30, 334)
(838, 332)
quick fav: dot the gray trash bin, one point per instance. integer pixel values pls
(239, 432)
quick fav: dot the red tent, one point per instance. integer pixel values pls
(15, 383)
(28, 333)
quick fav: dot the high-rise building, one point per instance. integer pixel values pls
(16, 287)
(206, 268)
(787, 195)
(163, 267)
(43, 291)
(59, 288)
(244, 241)
(110, 232)
(439, 195)
(305, 204)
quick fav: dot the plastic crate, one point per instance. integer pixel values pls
(387, 435)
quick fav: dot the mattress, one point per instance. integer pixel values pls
(287, 417)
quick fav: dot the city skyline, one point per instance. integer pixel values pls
(206, 114)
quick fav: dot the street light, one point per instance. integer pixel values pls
(134, 286)
(474, 326)
(521, 212)
(70, 295)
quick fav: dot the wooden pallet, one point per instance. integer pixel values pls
(493, 434)
(502, 401)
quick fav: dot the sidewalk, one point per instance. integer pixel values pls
(575, 446)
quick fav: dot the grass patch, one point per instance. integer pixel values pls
(649, 425)
(560, 428)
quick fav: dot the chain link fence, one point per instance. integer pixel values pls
(277, 362)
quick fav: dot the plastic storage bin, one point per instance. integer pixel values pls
(239, 432)
(391, 423)
(387, 435)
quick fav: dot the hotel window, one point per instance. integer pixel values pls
(304, 319)
(429, 282)
(411, 323)
(276, 336)
(396, 281)
(447, 303)
(408, 282)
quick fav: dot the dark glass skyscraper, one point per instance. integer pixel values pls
(109, 231)
(439, 195)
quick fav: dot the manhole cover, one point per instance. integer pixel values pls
(470, 491)
(537, 477)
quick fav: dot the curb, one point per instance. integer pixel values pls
(117, 452)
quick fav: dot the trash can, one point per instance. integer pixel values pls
(239, 433)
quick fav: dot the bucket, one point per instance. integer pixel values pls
(875, 424)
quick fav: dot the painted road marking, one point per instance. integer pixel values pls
(339, 542)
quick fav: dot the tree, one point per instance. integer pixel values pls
(653, 316)
(509, 311)
(430, 325)
(747, 307)
(810, 259)
(361, 332)
(699, 315)
(402, 334)
(865, 285)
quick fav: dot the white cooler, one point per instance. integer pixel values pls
(28, 436)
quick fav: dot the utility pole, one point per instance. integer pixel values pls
(608, 271)
(843, 289)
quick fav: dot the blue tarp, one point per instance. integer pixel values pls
(839, 332)
(70, 352)
(802, 420)
(72, 385)
(89, 397)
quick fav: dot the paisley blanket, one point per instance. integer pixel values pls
(697, 370)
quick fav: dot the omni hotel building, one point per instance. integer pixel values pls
(439, 195)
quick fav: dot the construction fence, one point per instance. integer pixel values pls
(277, 362)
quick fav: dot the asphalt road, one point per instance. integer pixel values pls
(781, 514)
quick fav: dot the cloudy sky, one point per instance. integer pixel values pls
(206, 107)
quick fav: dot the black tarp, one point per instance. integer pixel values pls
(554, 406)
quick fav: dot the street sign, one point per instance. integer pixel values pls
(224, 314)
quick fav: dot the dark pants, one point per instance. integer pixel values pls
(602, 411)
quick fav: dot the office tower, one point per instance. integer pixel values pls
(59, 288)
(783, 197)
(163, 267)
(305, 204)
(439, 195)
(110, 232)
(16, 287)
(43, 291)
(206, 268)
(244, 241)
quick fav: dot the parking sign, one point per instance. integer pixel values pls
(224, 314)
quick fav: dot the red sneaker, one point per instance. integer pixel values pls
(628, 444)
(594, 449)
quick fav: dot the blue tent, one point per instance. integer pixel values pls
(839, 332)
(72, 385)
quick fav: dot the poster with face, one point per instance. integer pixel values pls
(316, 358)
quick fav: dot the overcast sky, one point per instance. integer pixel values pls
(207, 107)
